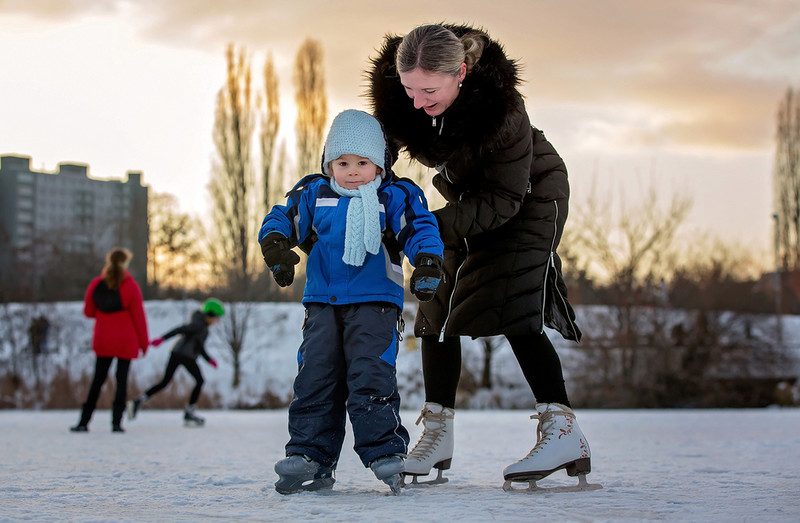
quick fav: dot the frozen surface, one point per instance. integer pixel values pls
(716, 465)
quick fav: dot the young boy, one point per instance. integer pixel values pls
(185, 352)
(355, 221)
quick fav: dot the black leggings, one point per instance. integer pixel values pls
(172, 365)
(120, 395)
(538, 359)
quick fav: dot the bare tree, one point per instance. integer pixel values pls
(233, 177)
(232, 189)
(312, 106)
(786, 182)
(634, 252)
(174, 250)
(270, 123)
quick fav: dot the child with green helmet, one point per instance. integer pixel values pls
(185, 352)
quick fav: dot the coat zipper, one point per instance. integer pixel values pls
(552, 263)
(441, 126)
(453, 292)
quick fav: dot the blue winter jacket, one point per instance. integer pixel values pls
(314, 218)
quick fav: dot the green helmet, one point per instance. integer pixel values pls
(213, 307)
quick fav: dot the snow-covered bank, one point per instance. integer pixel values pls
(677, 465)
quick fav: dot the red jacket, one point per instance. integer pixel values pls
(118, 334)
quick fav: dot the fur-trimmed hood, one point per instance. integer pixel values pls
(481, 116)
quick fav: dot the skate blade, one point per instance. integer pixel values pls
(308, 485)
(193, 423)
(438, 480)
(395, 483)
(532, 487)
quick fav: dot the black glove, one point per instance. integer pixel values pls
(426, 276)
(280, 258)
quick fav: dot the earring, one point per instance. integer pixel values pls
(460, 84)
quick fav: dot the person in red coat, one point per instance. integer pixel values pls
(114, 300)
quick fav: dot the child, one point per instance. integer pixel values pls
(355, 222)
(185, 352)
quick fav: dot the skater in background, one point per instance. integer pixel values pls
(114, 300)
(448, 95)
(355, 222)
(185, 352)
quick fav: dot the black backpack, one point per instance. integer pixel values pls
(105, 299)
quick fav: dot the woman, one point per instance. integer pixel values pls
(114, 300)
(448, 95)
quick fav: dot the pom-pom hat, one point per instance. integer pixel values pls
(356, 132)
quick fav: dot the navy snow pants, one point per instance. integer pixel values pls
(347, 362)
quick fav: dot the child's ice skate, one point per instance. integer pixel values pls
(560, 444)
(389, 469)
(133, 406)
(298, 473)
(191, 419)
(435, 446)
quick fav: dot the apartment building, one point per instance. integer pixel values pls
(48, 218)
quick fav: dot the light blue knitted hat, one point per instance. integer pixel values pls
(355, 132)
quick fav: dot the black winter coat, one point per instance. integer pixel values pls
(193, 337)
(507, 200)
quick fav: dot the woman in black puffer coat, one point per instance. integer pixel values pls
(448, 96)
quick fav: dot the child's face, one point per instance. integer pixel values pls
(351, 170)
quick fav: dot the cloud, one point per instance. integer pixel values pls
(682, 73)
(57, 10)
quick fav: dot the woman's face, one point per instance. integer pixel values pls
(432, 92)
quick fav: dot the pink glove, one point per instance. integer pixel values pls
(213, 363)
(156, 342)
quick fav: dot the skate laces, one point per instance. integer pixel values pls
(544, 430)
(430, 436)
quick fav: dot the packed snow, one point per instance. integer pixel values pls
(678, 465)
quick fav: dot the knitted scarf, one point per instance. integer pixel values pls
(363, 229)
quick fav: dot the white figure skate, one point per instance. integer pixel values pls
(560, 444)
(435, 446)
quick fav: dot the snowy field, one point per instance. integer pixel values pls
(681, 465)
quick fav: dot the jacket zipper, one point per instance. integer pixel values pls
(441, 126)
(453, 292)
(552, 263)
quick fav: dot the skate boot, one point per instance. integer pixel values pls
(560, 444)
(298, 473)
(389, 469)
(79, 428)
(191, 419)
(133, 406)
(435, 446)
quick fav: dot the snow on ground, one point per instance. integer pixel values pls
(678, 465)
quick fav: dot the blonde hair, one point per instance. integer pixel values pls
(437, 49)
(117, 261)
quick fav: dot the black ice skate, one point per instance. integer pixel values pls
(299, 473)
(190, 419)
(133, 406)
(389, 469)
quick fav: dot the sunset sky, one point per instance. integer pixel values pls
(680, 94)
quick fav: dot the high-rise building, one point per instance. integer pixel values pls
(67, 221)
